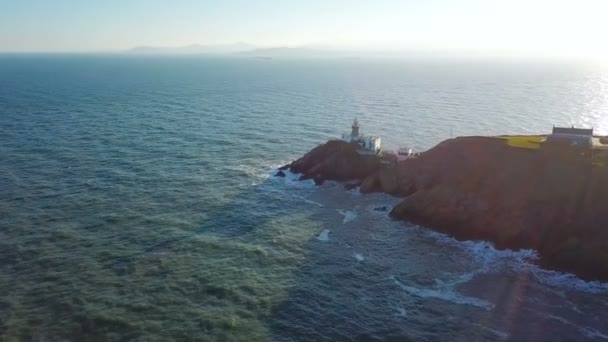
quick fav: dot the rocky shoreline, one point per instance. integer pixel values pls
(478, 188)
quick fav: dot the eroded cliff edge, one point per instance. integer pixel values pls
(479, 188)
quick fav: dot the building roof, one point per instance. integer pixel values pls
(573, 131)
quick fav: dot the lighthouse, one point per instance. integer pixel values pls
(354, 133)
(368, 144)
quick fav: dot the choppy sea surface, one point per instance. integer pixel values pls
(137, 202)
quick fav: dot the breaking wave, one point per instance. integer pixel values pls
(491, 259)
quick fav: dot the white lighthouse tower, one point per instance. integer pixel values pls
(354, 133)
(369, 144)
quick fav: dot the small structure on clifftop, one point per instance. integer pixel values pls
(368, 143)
(579, 138)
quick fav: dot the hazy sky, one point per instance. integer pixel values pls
(556, 27)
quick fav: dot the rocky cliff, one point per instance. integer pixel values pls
(479, 188)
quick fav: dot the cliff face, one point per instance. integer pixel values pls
(478, 188)
(335, 160)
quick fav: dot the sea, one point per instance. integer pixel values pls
(138, 202)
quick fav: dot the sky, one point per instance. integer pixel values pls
(538, 27)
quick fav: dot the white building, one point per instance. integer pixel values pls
(371, 144)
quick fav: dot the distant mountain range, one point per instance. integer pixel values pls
(253, 51)
(240, 49)
(193, 49)
(293, 52)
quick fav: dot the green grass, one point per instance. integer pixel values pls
(524, 141)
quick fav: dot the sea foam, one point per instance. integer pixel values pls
(324, 235)
(358, 256)
(349, 215)
(444, 292)
(489, 257)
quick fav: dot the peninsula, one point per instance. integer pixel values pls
(547, 192)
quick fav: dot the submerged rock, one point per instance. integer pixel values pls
(304, 177)
(479, 188)
(319, 180)
(352, 184)
(280, 173)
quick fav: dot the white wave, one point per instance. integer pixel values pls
(292, 180)
(250, 171)
(444, 292)
(263, 172)
(490, 258)
(501, 335)
(459, 279)
(565, 280)
(349, 215)
(257, 171)
(293, 177)
(560, 319)
(586, 331)
(358, 256)
(306, 200)
(324, 235)
(354, 192)
(292, 184)
(592, 333)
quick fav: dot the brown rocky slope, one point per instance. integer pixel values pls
(479, 188)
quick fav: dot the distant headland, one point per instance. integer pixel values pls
(543, 192)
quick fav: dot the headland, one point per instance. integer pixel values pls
(545, 192)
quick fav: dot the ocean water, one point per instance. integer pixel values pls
(137, 201)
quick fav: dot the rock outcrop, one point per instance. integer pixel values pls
(479, 188)
(336, 160)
